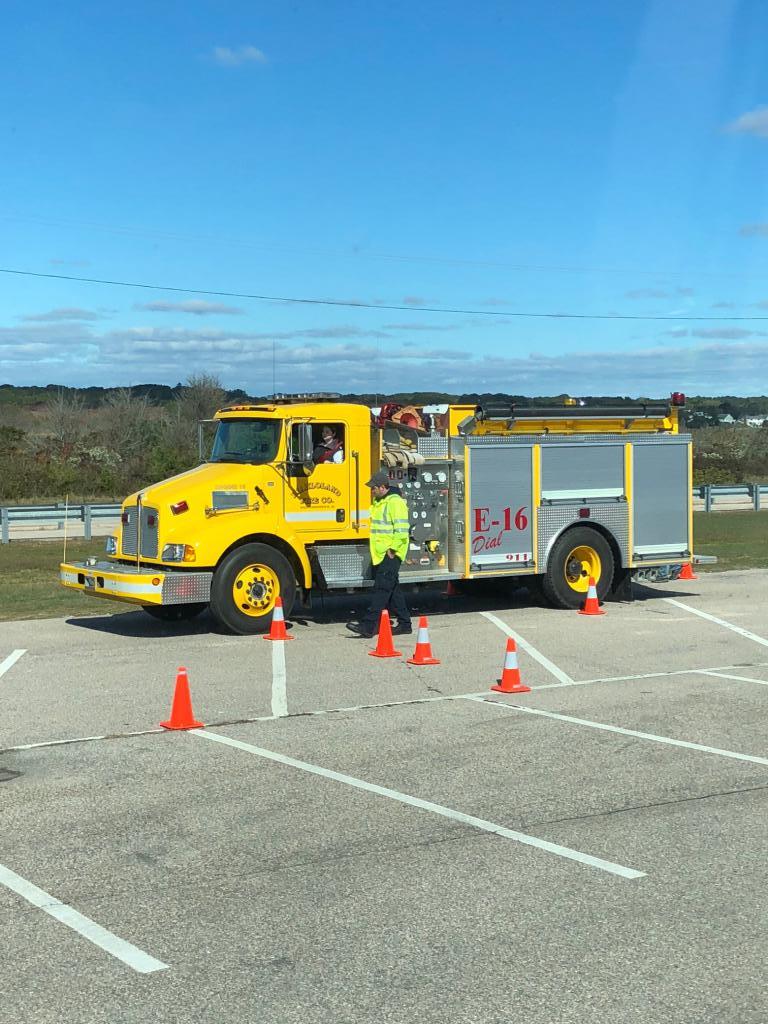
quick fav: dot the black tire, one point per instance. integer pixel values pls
(174, 612)
(261, 573)
(564, 585)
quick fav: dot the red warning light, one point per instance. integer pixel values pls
(678, 398)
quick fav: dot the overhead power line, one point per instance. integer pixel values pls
(348, 303)
(358, 253)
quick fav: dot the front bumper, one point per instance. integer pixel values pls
(136, 586)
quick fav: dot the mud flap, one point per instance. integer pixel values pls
(621, 587)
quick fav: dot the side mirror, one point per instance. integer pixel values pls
(302, 449)
(204, 439)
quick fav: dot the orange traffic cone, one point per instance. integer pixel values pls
(450, 590)
(687, 572)
(591, 605)
(423, 653)
(385, 648)
(182, 716)
(277, 630)
(510, 681)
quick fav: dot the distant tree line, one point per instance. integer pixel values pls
(104, 443)
(100, 446)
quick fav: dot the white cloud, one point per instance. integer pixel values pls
(347, 359)
(754, 122)
(195, 306)
(658, 293)
(64, 313)
(423, 327)
(232, 58)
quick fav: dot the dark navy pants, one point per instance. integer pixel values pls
(387, 593)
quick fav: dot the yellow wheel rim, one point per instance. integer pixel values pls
(255, 589)
(581, 563)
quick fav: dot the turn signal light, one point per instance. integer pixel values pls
(585, 513)
(179, 507)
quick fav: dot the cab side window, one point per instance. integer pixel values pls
(329, 443)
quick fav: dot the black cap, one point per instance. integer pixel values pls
(380, 479)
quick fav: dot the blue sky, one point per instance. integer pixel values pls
(595, 159)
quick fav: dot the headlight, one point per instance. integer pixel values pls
(178, 553)
(110, 545)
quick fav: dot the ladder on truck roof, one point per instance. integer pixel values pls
(620, 416)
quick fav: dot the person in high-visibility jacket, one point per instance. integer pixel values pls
(390, 531)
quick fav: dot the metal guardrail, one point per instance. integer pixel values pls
(711, 494)
(58, 514)
(757, 494)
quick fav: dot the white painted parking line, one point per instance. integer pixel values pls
(10, 661)
(425, 805)
(279, 691)
(727, 675)
(623, 732)
(565, 679)
(131, 955)
(652, 675)
(720, 622)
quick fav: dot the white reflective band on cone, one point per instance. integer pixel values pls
(423, 636)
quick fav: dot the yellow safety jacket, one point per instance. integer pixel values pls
(389, 526)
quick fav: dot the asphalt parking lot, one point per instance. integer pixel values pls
(354, 839)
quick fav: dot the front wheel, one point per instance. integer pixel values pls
(576, 556)
(246, 586)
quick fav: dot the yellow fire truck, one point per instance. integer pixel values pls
(558, 494)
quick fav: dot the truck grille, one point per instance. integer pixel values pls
(150, 523)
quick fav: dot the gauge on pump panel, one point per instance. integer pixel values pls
(441, 477)
(427, 478)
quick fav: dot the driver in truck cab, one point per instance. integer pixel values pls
(330, 448)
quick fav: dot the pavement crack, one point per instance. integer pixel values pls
(644, 807)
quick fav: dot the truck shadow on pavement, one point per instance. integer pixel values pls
(140, 625)
(335, 608)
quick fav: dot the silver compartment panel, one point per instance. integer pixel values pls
(553, 519)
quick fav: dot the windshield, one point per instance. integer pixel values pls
(248, 440)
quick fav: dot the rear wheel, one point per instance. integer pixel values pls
(578, 554)
(174, 612)
(247, 584)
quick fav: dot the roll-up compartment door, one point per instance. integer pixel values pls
(500, 530)
(572, 472)
(661, 499)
